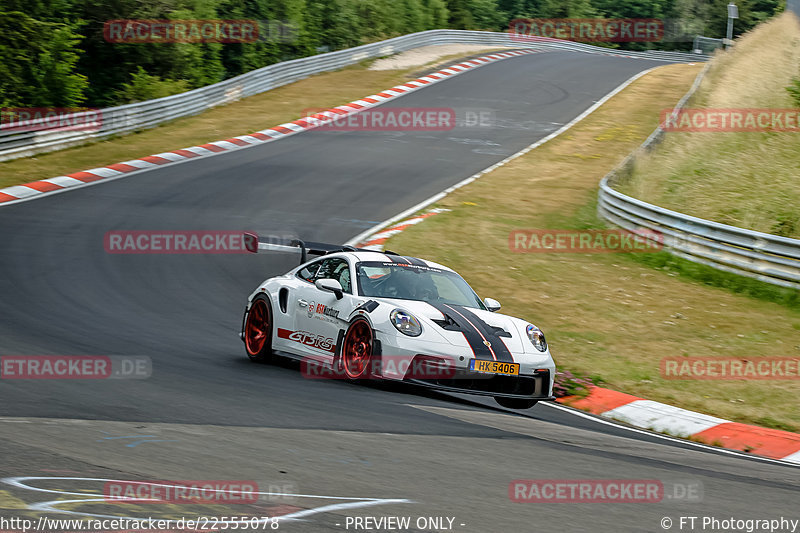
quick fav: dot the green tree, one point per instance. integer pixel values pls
(460, 15)
(380, 18)
(486, 15)
(38, 62)
(335, 24)
(48, 53)
(412, 16)
(438, 13)
(143, 86)
(751, 12)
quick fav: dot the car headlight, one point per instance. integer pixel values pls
(537, 337)
(405, 323)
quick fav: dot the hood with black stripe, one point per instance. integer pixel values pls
(468, 326)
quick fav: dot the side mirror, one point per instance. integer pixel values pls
(491, 305)
(330, 285)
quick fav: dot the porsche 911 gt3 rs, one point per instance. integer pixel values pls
(366, 314)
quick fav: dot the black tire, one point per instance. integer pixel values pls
(258, 331)
(515, 403)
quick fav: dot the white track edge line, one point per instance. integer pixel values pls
(436, 197)
(726, 451)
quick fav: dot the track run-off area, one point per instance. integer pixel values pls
(322, 452)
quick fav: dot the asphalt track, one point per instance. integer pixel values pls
(207, 413)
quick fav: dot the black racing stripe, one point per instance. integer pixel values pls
(397, 259)
(472, 335)
(498, 346)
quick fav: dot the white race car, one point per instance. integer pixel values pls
(362, 314)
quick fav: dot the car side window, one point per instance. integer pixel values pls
(307, 273)
(338, 269)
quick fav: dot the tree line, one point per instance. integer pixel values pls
(54, 52)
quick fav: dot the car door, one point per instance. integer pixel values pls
(287, 335)
(319, 315)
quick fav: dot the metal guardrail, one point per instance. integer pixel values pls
(143, 115)
(706, 45)
(762, 256)
(793, 5)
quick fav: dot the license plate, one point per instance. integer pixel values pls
(494, 367)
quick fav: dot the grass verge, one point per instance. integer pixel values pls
(251, 114)
(609, 315)
(745, 179)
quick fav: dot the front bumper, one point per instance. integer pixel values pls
(535, 387)
(406, 361)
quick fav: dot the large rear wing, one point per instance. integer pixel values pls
(255, 243)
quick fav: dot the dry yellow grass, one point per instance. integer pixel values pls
(743, 179)
(606, 314)
(255, 113)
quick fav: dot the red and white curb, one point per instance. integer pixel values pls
(377, 240)
(699, 427)
(39, 188)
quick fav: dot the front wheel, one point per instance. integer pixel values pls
(258, 331)
(515, 403)
(356, 355)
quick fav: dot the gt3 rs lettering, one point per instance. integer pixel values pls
(308, 339)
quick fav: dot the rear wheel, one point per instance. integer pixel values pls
(356, 355)
(515, 403)
(258, 331)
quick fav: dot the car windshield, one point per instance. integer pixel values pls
(413, 282)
